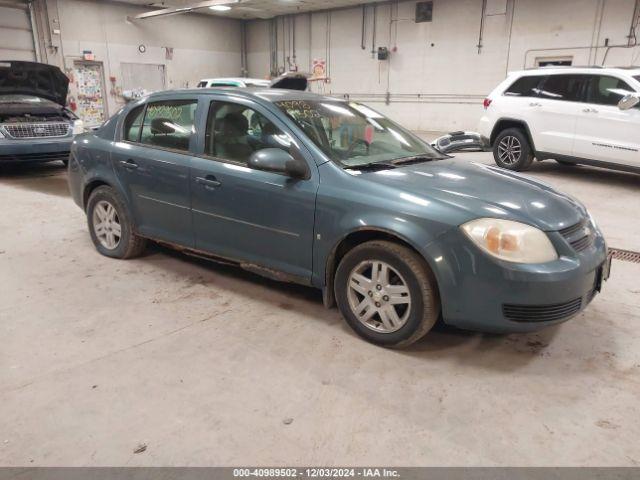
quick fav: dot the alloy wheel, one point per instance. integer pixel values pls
(379, 296)
(106, 225)
(509, 150)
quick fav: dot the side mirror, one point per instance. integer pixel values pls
(277, 160)
(628, 101)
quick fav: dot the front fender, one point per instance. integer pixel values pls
(334, 226)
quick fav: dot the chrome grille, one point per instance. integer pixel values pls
(580, 236)
(37, 130)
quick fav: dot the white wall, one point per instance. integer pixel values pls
(437, 79)
(204, 46)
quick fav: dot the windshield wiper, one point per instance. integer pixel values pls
(415, 159)
(371, 166)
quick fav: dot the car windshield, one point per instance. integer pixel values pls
(353, 134)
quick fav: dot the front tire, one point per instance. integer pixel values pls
(511, 150)
(386, 293)
(111, 226)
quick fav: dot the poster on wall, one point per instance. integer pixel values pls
(89, 92)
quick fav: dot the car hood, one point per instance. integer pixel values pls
(38, 79)
(291, 81)
(483, 191)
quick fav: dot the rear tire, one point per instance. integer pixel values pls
(386, 293)
(111, 226)
(511, 150)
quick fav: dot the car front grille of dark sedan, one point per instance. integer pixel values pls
(37, 130)
(580, 236)
(542, 313)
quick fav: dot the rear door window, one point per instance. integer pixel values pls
(524, 86)
(169, 124)
(569, 88)
(607, 90)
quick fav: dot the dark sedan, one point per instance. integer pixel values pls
(330, 193)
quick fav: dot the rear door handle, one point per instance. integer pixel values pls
(208, 181)
(535, 104)
(130, 164)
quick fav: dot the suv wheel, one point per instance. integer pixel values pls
(110, 225)
(511, 150)
(386, 293)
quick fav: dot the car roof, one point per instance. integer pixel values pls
(268, 94)
(625, 71)
(235, 79)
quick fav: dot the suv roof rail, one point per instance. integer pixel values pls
(569, 66)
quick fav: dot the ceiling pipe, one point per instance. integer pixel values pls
(179, 10)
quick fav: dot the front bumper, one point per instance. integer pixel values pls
(458, 141)
(481, 293)
(35, 150)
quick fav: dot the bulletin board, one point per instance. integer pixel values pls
(88, 83)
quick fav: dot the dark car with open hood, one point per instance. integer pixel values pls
(35, 124)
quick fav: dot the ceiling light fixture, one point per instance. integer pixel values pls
(220, 8)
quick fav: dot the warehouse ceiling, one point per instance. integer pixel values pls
(255, 8)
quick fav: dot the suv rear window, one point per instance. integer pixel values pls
(524, 86)
(563, 87)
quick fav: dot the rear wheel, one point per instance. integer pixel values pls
(386, 293)
(511, 150)
(110, 225)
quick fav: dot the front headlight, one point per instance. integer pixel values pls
(510, 241)
(78, 127)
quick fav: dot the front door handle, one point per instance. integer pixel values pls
(589, 110)
(208, 181)
(129, 164)
(535, 104)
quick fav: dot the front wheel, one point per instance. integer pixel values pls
(511, 150)
(386, 293)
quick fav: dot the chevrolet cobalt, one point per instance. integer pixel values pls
(329, 193)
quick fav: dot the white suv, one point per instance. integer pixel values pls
(573, 115)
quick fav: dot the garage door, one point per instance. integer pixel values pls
(16, 37)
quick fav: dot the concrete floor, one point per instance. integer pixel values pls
(209, 365)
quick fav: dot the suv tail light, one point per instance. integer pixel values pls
(486, 103)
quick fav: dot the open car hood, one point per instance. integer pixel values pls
(37, 79)
(291, 81)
